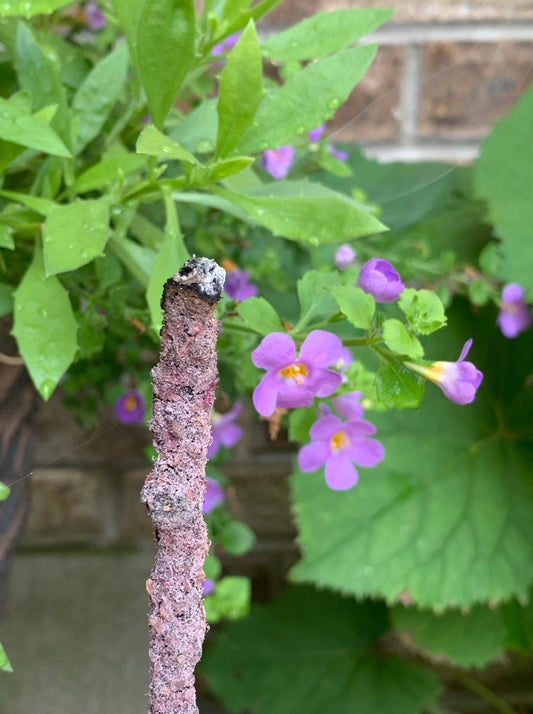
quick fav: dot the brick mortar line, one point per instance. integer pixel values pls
(410, 94)
(422, 33)
(452, 152)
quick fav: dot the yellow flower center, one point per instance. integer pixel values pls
(130, 403)
(298, 372)
(339, 441)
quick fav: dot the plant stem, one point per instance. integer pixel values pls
(486, 694)
(184, 384)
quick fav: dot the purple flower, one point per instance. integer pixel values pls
(337, 153)
(130, 407)
(94, 16)
(339, 445)
(227, 44)
(237, 285)
(224, 430)
(316, 134)
(278, 161)
(293, 381)
(208, 586)
(458, 380)
(349, 405)
(514, 316)
(344, 255)
(379, 279)
(214, 495)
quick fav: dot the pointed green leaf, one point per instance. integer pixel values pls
(471, 639)
(400, 340)
(307, 99)
(74, 234)
(260, 316)
(18, 127)
(445, 519)
(358, 306)
(165, 51)
(324, 33)
(109, 171)
(316, 303)
(35, 203)
(398, 386)
(5, 664)
(153, 143)
(45, 327)
(312, 652)
(305, 211)
(198, 130)
(98, 94)
(24, 8)
(40, 77)
(168, 261)
(241, 91)
(128, 13)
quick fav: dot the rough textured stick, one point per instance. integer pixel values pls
(184, 384)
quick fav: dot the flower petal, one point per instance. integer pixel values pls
(366, 452)
(324, 382)
(230, 434)
(276, 351)
(291, 394)
(358, 428)
(312, 456)
(266, 394)
(348, 405)
(325, 427)
(340, 473)
(512, 293)
(321, 349)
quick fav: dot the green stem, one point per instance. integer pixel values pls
(486, 694)
(238, 328)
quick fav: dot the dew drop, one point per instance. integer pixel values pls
(263, 146)
(314, 240)
(43, 312)
(47, 387)
(368, 570)
(204, 146)
(334, 103)
(300, 130)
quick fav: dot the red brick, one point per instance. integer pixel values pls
(466, 87)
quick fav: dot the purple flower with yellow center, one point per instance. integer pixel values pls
(94, 16)
(339, 445)
(292, 380)
(227, 44)
(344, 256)
(208, 586)
(316, 134)
(238, 285)
(514, 316)
(458, 380)
(338, 153)
(278, 161)
(224, 430)
(379, 279)
(130, 407)
(214, 495)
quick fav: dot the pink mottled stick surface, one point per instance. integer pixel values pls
(184, 384)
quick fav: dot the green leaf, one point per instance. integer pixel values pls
(35, 203)
(136, 258)
(260, 316)
(19, 127)
(358, 306)
(45, 327)
(397, 386)
(165, 51)
(168, 261)
(4, 492)
(312, 652)
(518, 622)
(305, 211)
(445, 519)
(109, 171)
(205, 175)
(241, 91)
(307, 99)
(230, 600)
(503, 174)
(198, 130)
(6, 237)
(97, 96)
(324, 33)
(423, 309)
(23, 8)
(236, 538)
(74, 234)
(470, 639)
(153, 143)
(6, 299)
(128, 14)
(5, 664)
(400, 340)
(39, 76)
(479, 292)
(300, 421)
(316, 303)
(212, 566)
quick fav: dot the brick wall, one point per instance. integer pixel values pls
(446, 70)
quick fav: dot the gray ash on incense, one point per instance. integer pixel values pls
(184, 383)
